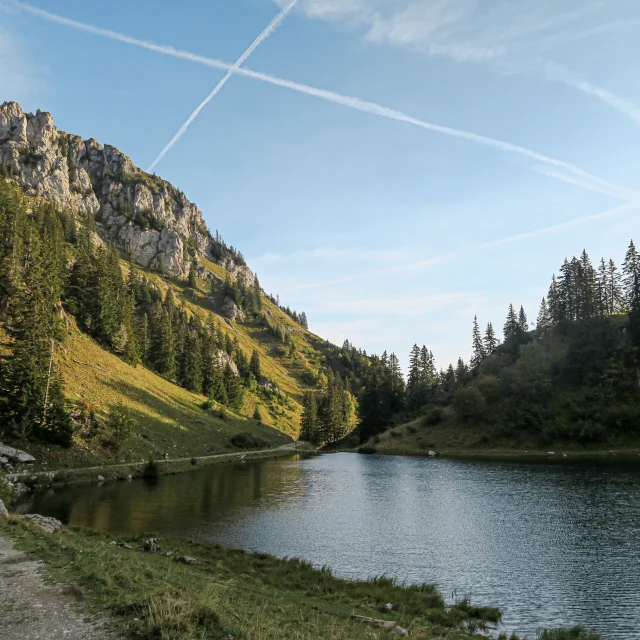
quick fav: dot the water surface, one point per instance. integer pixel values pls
(550, 544)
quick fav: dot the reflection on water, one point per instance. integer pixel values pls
(551, 544)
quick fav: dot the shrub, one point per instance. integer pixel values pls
(433, 416)
(412, 429)
(257, 415)
(121, 423)
(194, 461)
(469, 403)
(367, 450)
(396, 434)
(206, 405)
(247, 441)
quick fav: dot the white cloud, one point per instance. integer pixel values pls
(510, 35)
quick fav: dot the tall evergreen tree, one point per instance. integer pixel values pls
(478, 345)
(490, 341)
(523, 323)
(255, 367)
(309, 422)
(544, 321)
(630, 270)
(511, 325)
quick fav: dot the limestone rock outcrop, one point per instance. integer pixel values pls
(137, 211)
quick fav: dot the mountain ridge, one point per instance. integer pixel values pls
(140, 213)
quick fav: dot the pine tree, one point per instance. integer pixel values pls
(309, 421)
(478, 345)
(523, 323)
(255, 366)
(303, 320)
(630, 270)
(193, 281)
(462, 372)
(511, 325)
(615, 293)
(544, 321)
(490, 341)
(233, 388)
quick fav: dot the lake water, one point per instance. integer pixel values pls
(549, 543)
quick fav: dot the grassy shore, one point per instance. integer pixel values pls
(450, 440)
(233, 594)
(84, 475)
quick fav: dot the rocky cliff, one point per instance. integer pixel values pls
(137, 211)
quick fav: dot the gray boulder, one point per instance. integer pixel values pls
(50, 525)
(15, 455)
(3, 510)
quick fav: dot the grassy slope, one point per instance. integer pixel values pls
(290, 373)
(232, 594)
(450, 438)
(170, 419)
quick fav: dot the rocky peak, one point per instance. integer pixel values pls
(137, 211)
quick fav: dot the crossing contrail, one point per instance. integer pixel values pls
(273, 25)
(372, 108)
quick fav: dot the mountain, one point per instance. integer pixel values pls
(138, 212)
(141, 312)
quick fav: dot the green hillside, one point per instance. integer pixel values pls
(117, 362)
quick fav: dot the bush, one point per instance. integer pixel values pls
(367, 450)
(412, 429)
(194, 461)
(469, 403)
(206, 405)
(432, 417)
(121, 423)
(257, 415)
(247, 441)
(396, 434)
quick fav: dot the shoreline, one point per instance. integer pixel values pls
(57, 478)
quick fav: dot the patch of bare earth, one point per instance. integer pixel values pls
(32, 609)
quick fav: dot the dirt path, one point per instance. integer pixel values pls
(291, 446)
(31, 609)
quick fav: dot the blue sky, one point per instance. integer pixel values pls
(350, 204)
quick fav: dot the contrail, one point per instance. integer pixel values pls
(421, 264)
(273, 25)
(336, 98)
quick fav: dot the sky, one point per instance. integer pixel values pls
(391, 167)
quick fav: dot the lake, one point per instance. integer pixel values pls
(550, 543)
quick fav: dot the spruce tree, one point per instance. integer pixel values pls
(544, 322)
(309, 421)
(490, 341)
(630, 270)
(615, 293)
(523, 323)
(478, 345)
(193, 281)
(255, 366)
(511, 325)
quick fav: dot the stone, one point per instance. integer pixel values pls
(50, 525)
(3, 510)
(138, 212)
(186, 560)
(169, 554)
(432, 453)
(15, 455)
(100, 478)
(151, 544)
(232, 311)
(19, 487)
(388, 606)
(3, 461)
(399, 631)
(124, 545)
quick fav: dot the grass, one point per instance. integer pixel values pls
(450, 439)
(234, 594)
